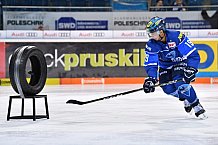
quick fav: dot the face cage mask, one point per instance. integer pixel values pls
(153, 34)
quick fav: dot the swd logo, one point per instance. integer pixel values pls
(65, 23)
(173, 23)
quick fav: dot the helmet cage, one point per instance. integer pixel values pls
(153, 34)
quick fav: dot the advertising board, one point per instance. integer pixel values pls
(104, 59)
(100, 20)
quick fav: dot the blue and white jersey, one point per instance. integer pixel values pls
(178, 48)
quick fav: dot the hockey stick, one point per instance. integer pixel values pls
(119, 94)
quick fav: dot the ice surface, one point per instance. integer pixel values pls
(133, 119)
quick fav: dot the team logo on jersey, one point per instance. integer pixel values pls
(185, 89)
(172, 44)
(171, 55)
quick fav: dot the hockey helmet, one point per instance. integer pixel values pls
(155, 24)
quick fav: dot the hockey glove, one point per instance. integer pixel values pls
(149, 85)
(189, 74)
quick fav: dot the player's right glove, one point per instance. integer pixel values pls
(149, 85)
(189, 74)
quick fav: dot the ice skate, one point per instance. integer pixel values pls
(187, 107)
(200, 112)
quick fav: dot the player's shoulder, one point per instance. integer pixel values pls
(152, 46)
(175, 36)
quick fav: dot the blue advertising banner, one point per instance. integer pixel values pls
(130, 5)
(195, 24)
(69, 23)
(177, 23)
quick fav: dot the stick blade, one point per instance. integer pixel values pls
(74, 102)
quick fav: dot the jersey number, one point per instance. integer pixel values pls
(189, 43)
(146, 57)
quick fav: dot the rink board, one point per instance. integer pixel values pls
(104, 62)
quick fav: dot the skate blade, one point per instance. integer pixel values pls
(202, 116)
(191, 112)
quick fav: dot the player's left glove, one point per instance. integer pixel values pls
(189, 74)
(149, 85)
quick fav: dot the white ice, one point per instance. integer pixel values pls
(133, 119)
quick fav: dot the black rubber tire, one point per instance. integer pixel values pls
(39, 70)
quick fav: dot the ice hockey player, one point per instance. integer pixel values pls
(175, 57)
